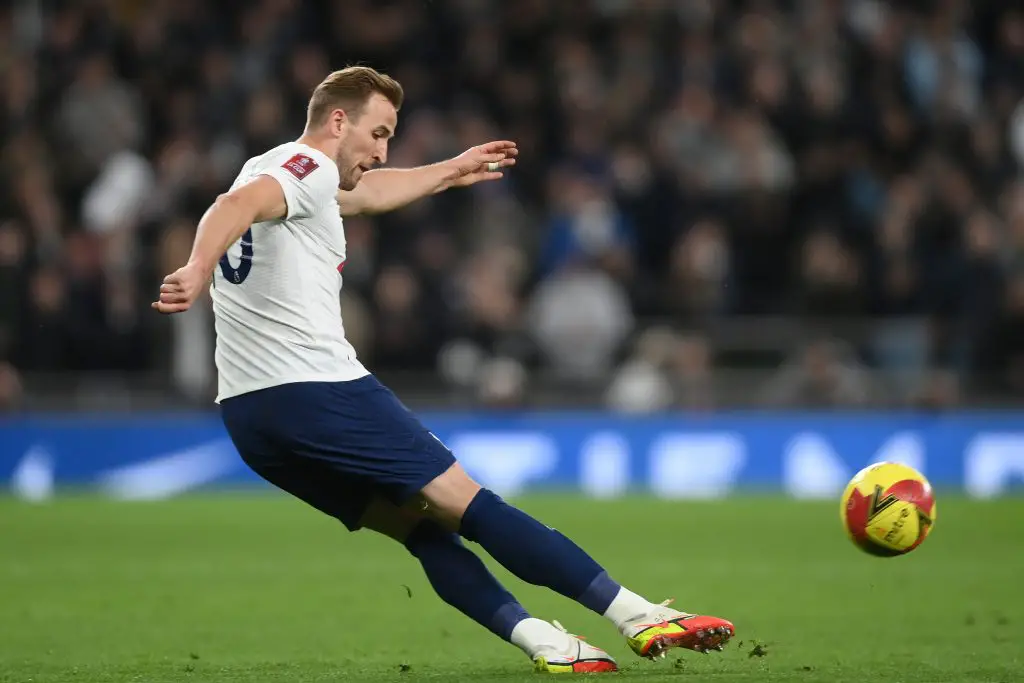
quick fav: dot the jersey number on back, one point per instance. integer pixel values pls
(237, 275)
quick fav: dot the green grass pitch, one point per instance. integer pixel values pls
(257, 587)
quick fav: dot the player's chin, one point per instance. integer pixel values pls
(350, 181)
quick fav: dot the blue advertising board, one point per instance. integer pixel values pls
(803, 455)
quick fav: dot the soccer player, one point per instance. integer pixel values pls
(306, 415)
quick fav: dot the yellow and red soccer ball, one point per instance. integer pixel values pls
(888, 509)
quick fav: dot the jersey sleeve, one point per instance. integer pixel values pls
(308, 185)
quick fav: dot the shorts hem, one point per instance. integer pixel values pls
(409, 491)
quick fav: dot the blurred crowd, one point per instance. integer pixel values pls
(846, 168)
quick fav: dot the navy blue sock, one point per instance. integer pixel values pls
(537, 553)
(463, 581)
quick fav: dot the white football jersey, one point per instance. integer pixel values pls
(276, 291)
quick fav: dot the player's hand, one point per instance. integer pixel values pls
(181, 288)
(483, 162)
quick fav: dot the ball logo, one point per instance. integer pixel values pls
(897, 526)
(879, 504)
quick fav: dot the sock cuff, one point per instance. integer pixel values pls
(600, 593)
(507, 618)
(484, 499)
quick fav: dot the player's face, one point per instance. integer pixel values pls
(366, 144)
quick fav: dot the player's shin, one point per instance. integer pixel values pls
(543, 556)
(463, 581)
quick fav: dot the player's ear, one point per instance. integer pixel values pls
(337, 121)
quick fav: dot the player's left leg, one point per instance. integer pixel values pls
(454, 571)
(543, 556)
(464, 582)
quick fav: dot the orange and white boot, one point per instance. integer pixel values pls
(652, 634)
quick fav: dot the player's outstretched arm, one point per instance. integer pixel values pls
(261, 199)
(387, 189)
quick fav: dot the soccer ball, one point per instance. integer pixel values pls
(888, 509)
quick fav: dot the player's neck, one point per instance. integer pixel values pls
(324, 143)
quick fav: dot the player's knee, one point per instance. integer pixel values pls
(429, 533)
(394, 522)
(449, 495)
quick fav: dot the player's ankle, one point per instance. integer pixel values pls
(626, 607)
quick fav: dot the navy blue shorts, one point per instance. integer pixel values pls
(335, 445)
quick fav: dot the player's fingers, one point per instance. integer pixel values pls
(170, 308)
(173, 297)
(170, 287)
(496, 146)
(490, 158)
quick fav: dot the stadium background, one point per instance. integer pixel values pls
(749, 247)
(812, 209)
(797, 204)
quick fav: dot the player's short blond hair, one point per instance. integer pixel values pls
(349, 89)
